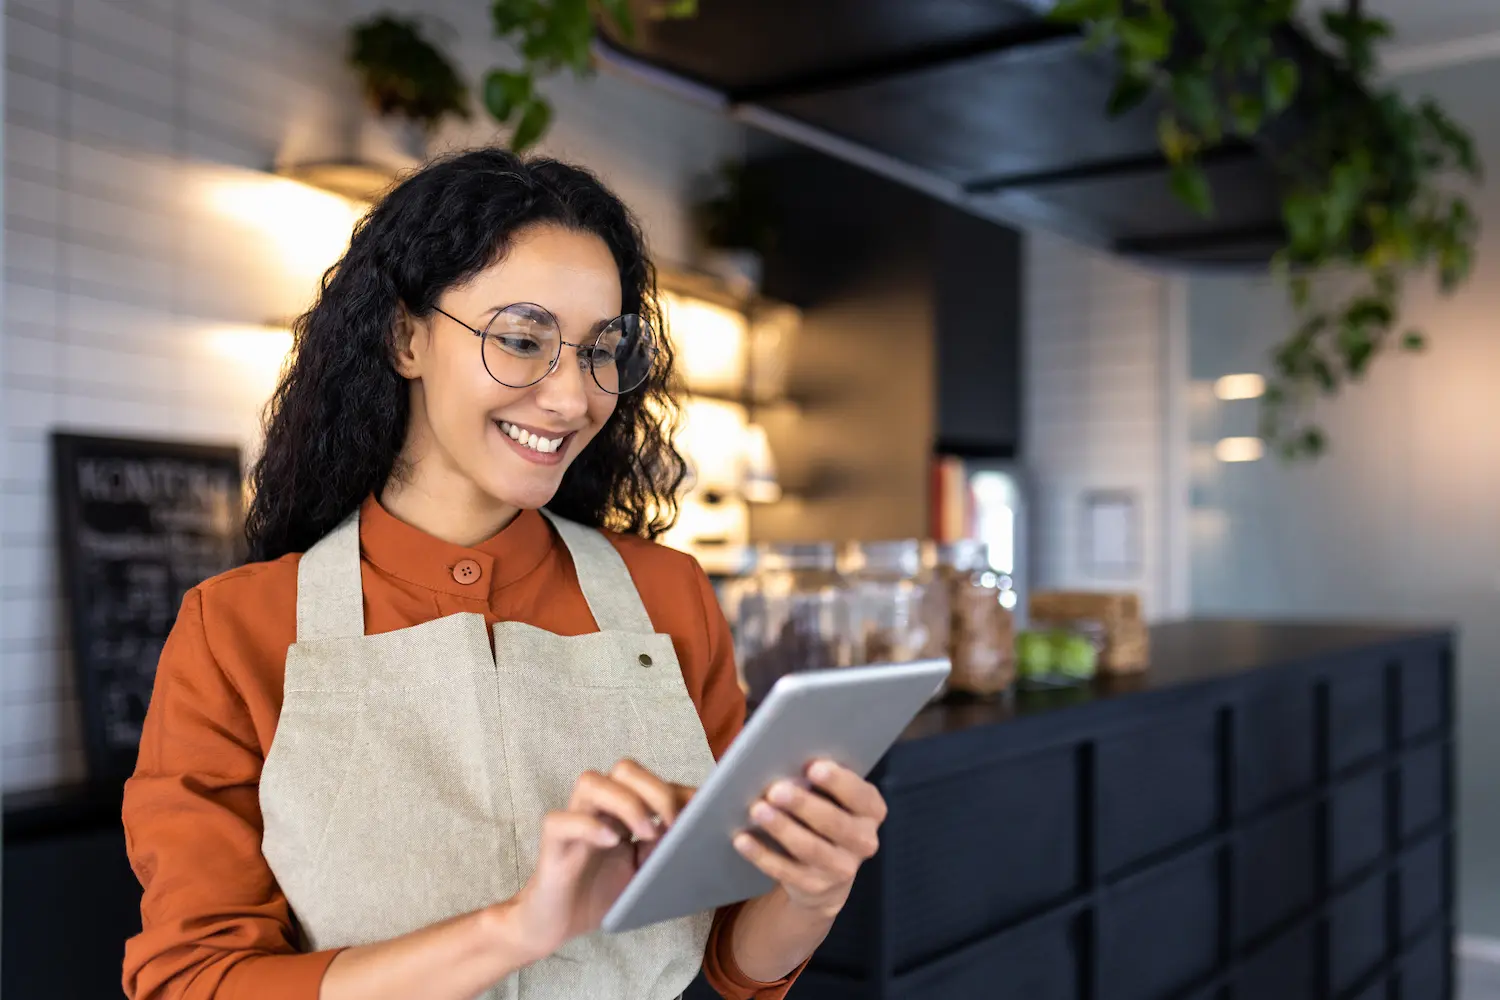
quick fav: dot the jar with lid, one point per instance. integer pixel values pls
(981, 631)
(792, 615)
(890, 591)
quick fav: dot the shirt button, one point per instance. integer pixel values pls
(467, 571)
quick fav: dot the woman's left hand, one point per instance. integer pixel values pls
(826, 836)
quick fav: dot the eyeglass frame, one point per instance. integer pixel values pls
(561, 343)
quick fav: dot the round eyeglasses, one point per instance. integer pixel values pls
(522, 343)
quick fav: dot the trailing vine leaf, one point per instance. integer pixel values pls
(534, 121)
(669, 9)
(1078, 11)
(1247, 112)
(1282, 79)
(551, 36)
(1190, 184)
(1364, 174)
(1129, 91)
(504, 92)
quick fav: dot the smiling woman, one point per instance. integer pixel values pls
(397, 754)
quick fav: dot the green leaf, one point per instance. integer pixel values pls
(1130, 90)
(505, 91)
(1145, 39)
(1357, 347)
(1247, 113)
(512, 15)
(1176, 144)
(674, 9)
(1301, 289)
(1313, 442)
(1190, 185)
(618, 11)
(1282, 78)
(1323, 372)
(1413, 340)
(1082, 11)
(535, 118)
(1302, 213)
(1193, 90)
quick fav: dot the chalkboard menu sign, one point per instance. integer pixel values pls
(141, 523)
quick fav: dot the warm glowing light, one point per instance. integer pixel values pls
(310, 228)
(253, 346)
(710, 343)
(711, 439)
(1246, 386)
(759, 484)
(1239, 449)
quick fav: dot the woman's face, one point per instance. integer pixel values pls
(469, 432)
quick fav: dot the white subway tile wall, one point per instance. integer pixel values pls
(137, 136)
(102, 113)
(1095, 330)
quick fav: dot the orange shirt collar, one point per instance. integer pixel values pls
(411, 554)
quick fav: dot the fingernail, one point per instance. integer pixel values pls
(822, 770)
(762, 813)
(743, 843)
(609, 838)
(782, 793)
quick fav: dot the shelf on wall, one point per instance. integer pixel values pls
(353, 179)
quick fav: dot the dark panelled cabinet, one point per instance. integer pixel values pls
(1282, 832)
(977, 307)
(840, 227)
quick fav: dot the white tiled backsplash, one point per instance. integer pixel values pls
(136, 139)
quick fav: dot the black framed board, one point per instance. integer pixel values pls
(140, 523)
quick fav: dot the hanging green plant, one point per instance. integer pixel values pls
(550, 36)
(403, 74)
(1365, 173)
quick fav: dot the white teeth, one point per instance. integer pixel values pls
(533, 441)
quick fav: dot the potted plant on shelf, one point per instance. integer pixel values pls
(735, 225)
(409, 84)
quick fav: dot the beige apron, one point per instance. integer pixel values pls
(410, 771)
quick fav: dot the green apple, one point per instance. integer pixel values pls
(1033, 654)
(1073, 655)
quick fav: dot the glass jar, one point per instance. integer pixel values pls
(981, 632)
(890, 589)
(792, 615)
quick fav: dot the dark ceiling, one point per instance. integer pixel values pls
(980, 102)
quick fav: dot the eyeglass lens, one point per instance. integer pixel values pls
(522, 344)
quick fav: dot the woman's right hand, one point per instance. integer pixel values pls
(587, 854)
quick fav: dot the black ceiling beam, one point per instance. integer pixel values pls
(1025, 34)
(1146, 163)
(1192, 244)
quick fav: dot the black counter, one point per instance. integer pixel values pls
(1266, 813)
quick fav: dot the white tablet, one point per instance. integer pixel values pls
(850, 715)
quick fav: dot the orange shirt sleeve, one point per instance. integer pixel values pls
(722, 708)
(215, 925)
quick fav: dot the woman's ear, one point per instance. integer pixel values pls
(406, 345)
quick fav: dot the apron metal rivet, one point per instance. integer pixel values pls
(645, 660)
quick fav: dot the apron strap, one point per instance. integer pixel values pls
(607, 587)
(330, 597)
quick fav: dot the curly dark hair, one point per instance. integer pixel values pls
(337, 421)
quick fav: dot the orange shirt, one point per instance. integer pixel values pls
(214, 922)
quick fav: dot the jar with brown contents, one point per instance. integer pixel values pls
(981, 631)
(792, 615)
(890, 594)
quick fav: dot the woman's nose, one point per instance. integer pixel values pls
(565, 390)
